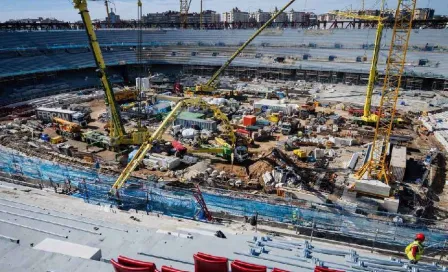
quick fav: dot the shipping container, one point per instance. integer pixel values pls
(200, 123)
(249, 120)
(47, 114)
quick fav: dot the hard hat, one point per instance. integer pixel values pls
(420, 237)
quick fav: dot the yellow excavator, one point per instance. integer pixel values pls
(118, 135)
(210, 87)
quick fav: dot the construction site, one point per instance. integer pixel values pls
(277, 149)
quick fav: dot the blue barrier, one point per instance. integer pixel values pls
(94, 188)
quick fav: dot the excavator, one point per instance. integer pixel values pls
(118, 135)
(210, 87)
(67, 129)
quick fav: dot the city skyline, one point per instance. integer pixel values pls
(127, 9)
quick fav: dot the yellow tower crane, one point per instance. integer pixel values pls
(118, 135)
(377, 165)
(368, 117)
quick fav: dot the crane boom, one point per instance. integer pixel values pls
(377, 166)
(209, 85)
(117, 130)
(157, 135)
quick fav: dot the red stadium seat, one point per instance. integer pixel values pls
(122, 268)
(210, 257)
(239, 266)
(170, 269)
(136, 263)
(205, 263)
(279, 270)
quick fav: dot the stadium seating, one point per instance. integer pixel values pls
(205, 262)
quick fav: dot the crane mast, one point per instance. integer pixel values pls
(184, 8)
(377, 165)
(367, 113)
(117, 128)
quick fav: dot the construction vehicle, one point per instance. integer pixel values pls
(224, 150)
(310, 107)
(368, 116)
(117, 133)
(274, 117)
(126, 95)
(301, 154)
(290, 127)
(377, 165)
(67, 129)
(57, 140)
(228, 138)
(210, 87)
(245, 136)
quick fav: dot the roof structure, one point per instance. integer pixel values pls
(32, 52)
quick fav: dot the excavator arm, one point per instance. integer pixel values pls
(117, 126)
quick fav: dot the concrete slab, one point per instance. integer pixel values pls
(372, 187)
(70, 249)
(391, 205)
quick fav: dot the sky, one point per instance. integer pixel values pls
(127, 9)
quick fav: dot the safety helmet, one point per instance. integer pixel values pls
(420, 237)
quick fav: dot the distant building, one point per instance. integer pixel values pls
(423, 14)
(39, 20)
(210, 17)
(168, 17)
(281, 18)
(235, 16)
(327, 17)
(296, 16)
(173, 17)
(260, 16)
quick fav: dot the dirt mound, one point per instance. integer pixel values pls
(257, 169)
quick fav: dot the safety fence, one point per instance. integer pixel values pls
(152, 197)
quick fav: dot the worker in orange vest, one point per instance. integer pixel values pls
(414, 250)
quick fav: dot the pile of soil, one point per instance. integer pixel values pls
(257, 169)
